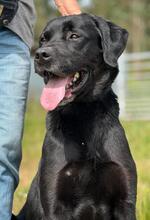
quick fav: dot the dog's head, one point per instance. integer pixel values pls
(78, 56)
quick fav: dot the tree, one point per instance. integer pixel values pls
(133, 15)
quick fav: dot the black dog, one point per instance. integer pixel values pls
(86, 170)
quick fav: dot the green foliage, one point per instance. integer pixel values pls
(133, 15)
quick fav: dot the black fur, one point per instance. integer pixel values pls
(86, 171)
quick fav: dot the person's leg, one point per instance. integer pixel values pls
(14, 79)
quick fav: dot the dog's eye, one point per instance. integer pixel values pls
(43, 39)
(74, 36)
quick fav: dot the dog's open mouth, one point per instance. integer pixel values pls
(61, 90)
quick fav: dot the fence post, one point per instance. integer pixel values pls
(120, 84)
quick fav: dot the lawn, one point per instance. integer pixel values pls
(138, 134)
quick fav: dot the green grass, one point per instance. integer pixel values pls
(138, 134)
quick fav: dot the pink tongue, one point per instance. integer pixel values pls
(53, 93)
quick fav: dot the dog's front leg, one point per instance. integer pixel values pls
(85, 211)
(124, 211)
(103, 212)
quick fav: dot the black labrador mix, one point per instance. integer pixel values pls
(86, 171)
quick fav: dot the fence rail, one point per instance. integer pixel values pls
(134, 92)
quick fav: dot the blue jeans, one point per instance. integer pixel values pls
(14, 80)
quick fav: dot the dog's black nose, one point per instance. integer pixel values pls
(42, 55)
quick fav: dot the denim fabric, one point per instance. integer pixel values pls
(14, 79)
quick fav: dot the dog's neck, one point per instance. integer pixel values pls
(72, 123)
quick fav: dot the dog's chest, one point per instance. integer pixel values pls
(73, 181)
(75, 129)
(76, 138)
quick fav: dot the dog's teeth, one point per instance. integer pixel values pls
(74, 79)
(77, 75)
(69, 85)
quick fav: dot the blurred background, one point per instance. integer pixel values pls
(132, 87)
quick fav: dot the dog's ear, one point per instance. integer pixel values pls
(113, 37)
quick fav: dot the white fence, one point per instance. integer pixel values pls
(132, 86)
